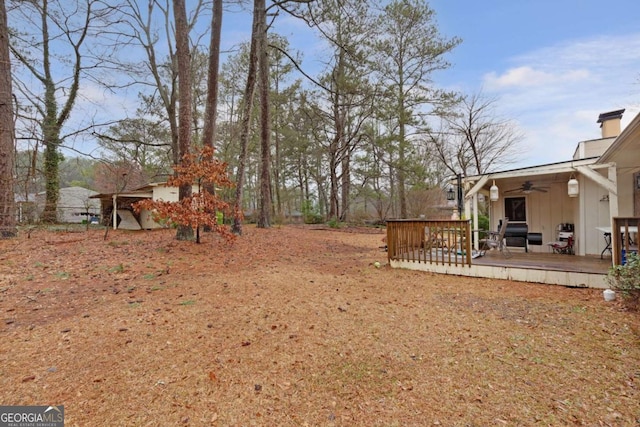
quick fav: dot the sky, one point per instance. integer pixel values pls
(552, 66)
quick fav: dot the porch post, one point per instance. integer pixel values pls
(460, 195)
(476, 235)
(114, 211)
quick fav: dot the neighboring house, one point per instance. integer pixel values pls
(126, 218)
(75, 205)
(605, 181)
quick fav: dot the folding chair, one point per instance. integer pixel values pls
(563, 246)
(496, 240)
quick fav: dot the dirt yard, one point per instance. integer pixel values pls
(296, 326)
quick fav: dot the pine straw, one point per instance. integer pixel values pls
(293, 326)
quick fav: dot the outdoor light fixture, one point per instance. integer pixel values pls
(493, 192)
(451, 195)
(456, 194)
(573, 188)
(638, 182)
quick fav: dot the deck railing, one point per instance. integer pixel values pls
(434, 242)
(626, 240)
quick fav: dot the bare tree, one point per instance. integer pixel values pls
(475, 139)
(7, 200)
(52, 46)
(158, 72)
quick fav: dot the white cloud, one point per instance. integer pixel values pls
(557, 92)
(528, 76)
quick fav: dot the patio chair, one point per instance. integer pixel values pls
(496, 240)
(563, 246)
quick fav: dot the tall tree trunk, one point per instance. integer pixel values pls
(278, 157)
(184, 108)
(334, 204)
(246, 117)
(264, 220)
(211, 107)
(7, 200)
(346, 183)
(402, 176)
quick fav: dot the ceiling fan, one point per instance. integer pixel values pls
(527, 187)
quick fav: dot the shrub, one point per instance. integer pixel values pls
(310, 215)
(626, 280)
(334, 223)
(483, 222)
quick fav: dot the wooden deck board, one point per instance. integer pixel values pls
(547, 261)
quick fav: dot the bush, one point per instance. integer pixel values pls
(625, 279)
(310, 215)
(483, 222)
(313, 218)
(334, 223)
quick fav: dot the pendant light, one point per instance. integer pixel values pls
(493, 192)
(573, 187)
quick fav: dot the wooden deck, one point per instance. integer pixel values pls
(553, 269)
(411, 245)
(546, 261)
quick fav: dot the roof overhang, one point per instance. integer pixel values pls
(625, 150)
(128, 194)
(477, 182)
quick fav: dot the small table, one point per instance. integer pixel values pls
(606, 233)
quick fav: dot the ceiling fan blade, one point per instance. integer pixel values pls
(513, 190)
(540, 189)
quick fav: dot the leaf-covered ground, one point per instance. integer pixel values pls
(295, 326)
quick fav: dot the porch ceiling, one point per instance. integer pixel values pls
(543, 174)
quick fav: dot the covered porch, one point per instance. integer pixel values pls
(411, 245)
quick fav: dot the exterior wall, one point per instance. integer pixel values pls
(160, 192)
(636, 194)
(168, 194)
(592, 148)
(72, 204)
(146, 220)
(594, 212)
(544, 211)
(626, 191)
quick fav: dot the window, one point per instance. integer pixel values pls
(515, 208)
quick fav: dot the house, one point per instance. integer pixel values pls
(582, 198)
(579, 196)
(75, 205)
(126, 218)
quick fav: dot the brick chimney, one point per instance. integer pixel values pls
(610, 123)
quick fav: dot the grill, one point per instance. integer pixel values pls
(516, 235)
(534, 239)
